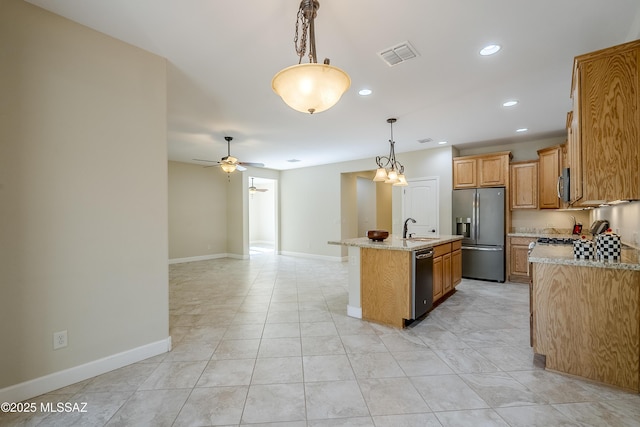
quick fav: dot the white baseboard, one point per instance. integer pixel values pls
(354, 311)
(197, 258)
(56, 380)
(312, 256)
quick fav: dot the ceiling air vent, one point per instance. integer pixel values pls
(398, 54)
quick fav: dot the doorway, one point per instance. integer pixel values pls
(262, 216)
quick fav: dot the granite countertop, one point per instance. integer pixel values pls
(396, 243)
(563, 254)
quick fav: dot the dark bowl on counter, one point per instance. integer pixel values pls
(377, 235)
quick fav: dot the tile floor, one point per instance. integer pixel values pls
(267, 341)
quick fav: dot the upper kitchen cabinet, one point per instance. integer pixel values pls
(549, 161)
(603, 132)
(524, 185)
(488, 170)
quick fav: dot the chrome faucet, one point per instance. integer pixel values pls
(406, 228)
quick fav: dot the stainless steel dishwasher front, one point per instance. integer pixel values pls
(422, 283)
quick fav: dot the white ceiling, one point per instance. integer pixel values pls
(222, 55)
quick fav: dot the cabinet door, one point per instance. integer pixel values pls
(574, 150)
(609, 124)
(518, 257)
(438, 278)
(446, 269)
(524, 185)
(465, 173)
(549, 172)
(493, 170)
(456, 267)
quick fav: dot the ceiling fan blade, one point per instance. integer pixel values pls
(202, 160)
(255, 165)
(240, 168)
(262, 190)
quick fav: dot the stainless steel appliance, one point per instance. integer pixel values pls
(564, 185)
(422, 286)
(599, 226)
(478, 215)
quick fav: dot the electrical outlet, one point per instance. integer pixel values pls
(59, 339)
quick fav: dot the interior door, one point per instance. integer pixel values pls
(420, 202)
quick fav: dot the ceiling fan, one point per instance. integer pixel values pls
(230, 163)
(253, 189)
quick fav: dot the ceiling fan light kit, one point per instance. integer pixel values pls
(390, 171)
(229, 163)
(310, 88)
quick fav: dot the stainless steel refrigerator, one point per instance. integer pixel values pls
(478, 215)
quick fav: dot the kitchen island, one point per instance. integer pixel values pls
(381, 274)
(585, 314)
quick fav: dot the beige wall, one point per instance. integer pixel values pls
(318, 203)
(83, 195)
(197, 211)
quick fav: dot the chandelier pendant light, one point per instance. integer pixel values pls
(310, 88)
(389, 169)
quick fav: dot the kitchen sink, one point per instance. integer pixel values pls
(422, 239)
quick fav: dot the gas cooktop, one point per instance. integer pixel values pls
(556, 240)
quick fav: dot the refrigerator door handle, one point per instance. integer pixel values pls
(476, 216)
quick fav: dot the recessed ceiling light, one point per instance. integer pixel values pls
(522, 130)
(509, 103)
(365, 92)
(490, 49)
(442, 142)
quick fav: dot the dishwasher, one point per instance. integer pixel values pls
(422, 283)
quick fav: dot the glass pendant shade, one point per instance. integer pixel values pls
(392, 177)
(381, 175)
(311, 88)
(402, 181)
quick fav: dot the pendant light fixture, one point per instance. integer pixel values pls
(390, 170)
(309, 88)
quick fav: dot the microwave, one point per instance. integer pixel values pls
(563, 185)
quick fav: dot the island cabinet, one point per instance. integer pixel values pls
(447, 268)
(488, 170)
(385, 289)
(586, 321)
(386, 281)
(524, 185)
(604, 128)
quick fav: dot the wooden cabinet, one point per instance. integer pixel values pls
(490, 170)
(549, 160)
(438, 278)
(518, 259)
(604, 153)
(447, 268)
(456, 264)
(386, 278)
(385, 285)
(465, 173)
(585, 321)
(524, 185)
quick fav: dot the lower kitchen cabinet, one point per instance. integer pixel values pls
(518, 259)
(447, 268)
